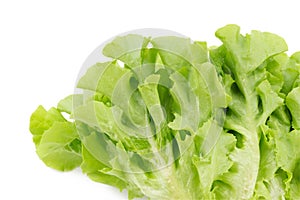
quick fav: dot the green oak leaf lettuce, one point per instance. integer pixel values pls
(169, 118)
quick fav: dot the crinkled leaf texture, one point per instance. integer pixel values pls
(176, 120)
(56, 139)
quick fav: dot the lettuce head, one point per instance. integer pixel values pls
(169, 118)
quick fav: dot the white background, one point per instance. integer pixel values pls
(43, 45)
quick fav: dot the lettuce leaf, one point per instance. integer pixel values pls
(57, 142)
